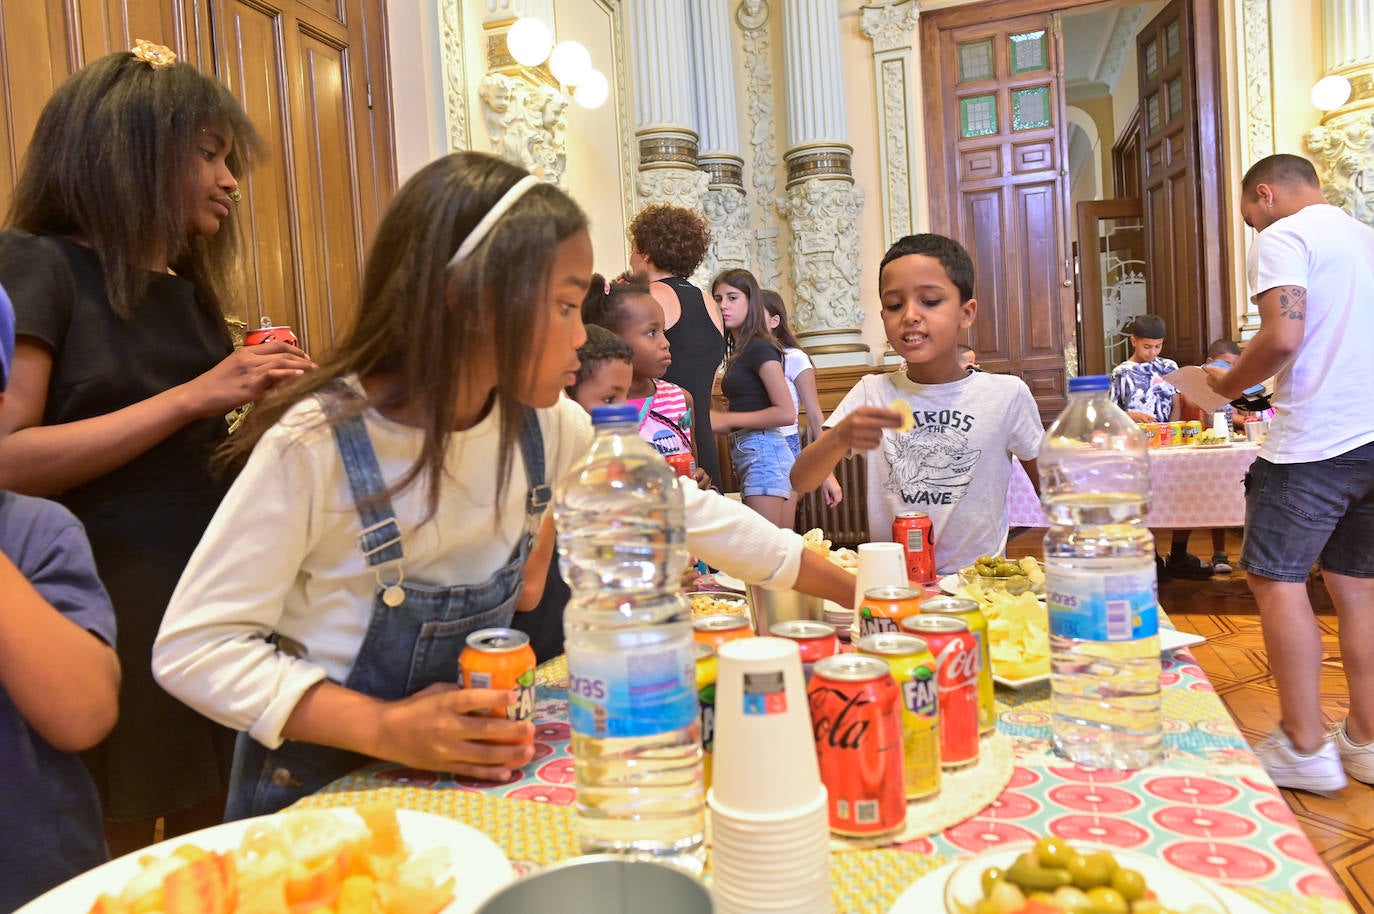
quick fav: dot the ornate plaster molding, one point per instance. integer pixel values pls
(667, 148)
(822, 213)
(833, 161)
(727, 215)
(527, 124)
(724, 170)
(1259, 100)
(678, 186)
(752, 17)
(889, 25)
(1344, 152)
(1120, 43)
(455, 83)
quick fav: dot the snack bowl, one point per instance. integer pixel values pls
(1012, 584)
(1175, 889)
(716, 603)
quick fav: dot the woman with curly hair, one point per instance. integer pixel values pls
(668, 243)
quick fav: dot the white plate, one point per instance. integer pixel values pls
(927, 894)
(734, 583)
(479, 868)
(950, 584)
(1170, 639)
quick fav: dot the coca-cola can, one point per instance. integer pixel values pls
(957, 663)
(269, 334)
(814, 639)
(856, 717)
(916, 535)
(682, 464)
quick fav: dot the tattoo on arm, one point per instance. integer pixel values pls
(1293, 302)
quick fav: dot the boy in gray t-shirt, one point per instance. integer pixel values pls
(954, 461)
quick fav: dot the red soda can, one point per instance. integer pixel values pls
(814, 639)
(957, 661)
(269, 334)
(914, 531)
(682, 464)
(856, 718)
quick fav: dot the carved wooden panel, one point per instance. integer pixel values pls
(981, 164)
(1036, 286)
(1036, 156)
(981, 226)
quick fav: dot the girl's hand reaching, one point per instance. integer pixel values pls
(245, 375)
(436, 729)
(703, 479)
(831, 490)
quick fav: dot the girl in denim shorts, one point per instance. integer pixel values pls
(759, 403)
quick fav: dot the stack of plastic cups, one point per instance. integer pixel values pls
(880, 565)
(770, 826)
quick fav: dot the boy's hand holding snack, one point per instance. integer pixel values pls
(862, 430)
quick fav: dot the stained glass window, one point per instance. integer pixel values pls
(1030, 108)
(1175, 97)
(1172, 40)
(1151, 59)
(1152, 118)
(975, 61)
(1029, 52)
(978, 115)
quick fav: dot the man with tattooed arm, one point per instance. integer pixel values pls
(1310, 493)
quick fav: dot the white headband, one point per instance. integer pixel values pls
(493, 216)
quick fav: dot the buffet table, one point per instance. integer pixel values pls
(1207, 807)
(1191, 488)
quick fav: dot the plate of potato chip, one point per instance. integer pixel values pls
(716, 603)
(374, 858)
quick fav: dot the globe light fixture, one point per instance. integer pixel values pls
(570, 63)
(1330, 93)
(592, 91)
(529, 41)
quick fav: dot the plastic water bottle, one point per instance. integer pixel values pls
(636, 740)
(1100, 583)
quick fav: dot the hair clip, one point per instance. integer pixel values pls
(154, 55)
(608, 288)
(235, 195)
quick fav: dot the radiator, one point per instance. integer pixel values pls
(846, 524)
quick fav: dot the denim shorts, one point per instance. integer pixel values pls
(1298, 514)
(794, 442)
(762, 462)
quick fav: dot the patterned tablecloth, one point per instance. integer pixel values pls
(1191, 488)
(1206, 807)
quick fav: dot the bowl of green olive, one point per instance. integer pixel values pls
(1054, 876)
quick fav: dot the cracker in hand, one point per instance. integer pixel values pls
(903, 408)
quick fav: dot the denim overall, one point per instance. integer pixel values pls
(409, 644)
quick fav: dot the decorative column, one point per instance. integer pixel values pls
(1343, 146)
(668, 170)
(889, 27)
(752, 16)
(713, 84)
(822, 204)
(525, 109)
(1257, 113)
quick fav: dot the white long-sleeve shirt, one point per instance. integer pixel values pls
(281, 556)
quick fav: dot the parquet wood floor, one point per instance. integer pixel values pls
(1341, 827)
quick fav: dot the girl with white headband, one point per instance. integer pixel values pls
(390, 500)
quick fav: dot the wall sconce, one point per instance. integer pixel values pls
(592, 91)
(1330, 92)
(529, 41)
(570, 62)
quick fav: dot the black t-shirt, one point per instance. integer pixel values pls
(742, 385)
(103, 363)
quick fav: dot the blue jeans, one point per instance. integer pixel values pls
(763, 462)
(1297, 514)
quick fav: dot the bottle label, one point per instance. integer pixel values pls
(1097, 606)
(641, 692)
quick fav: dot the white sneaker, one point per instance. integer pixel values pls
(1320, 772)
(1358, 758)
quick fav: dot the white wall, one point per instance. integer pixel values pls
(599, 172)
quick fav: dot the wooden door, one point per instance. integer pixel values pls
(312, 76)
(1001, 187)
(1169, 181)
(1112, 281)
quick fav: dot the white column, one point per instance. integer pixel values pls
(1343, 146)
(889, 26)
(713, 85)
(822, 205)
(664, 113)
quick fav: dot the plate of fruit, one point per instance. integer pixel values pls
(1053, 876)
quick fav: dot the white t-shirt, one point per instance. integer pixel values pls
(955, 464)
(794, 362)
(281, 556)
(1321, 397)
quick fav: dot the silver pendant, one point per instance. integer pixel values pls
(394, 596)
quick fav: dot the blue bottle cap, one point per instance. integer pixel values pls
(616, 413)
(1089, 382)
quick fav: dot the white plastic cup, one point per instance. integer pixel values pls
(880, 565)
(765, 753)
(1220, 427)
